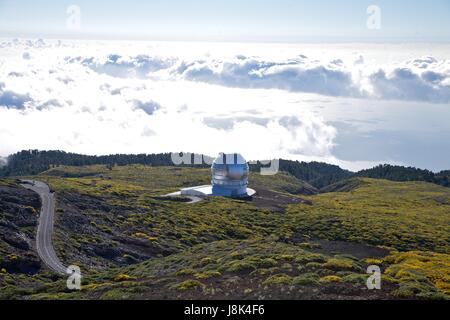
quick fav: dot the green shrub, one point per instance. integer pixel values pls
(236, 255)
(123, 277)
(314, 265)
(278, 279)
(207, 274)
(306, 279)
(413, 289)
(372, 261)
(288, 257)
(356, 278)
(286, 266)
(185, 272)
(313, 257)
(417, 266)
(239, 265)
(115, 294)
(328, 279)
(266, 263)
(339, 264)
(205, 261)
(308, 245)
(188, 284)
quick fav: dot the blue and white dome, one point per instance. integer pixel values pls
(229, 175)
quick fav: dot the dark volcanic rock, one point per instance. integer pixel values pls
(107, 252)
(90, 230)
(19, 210)
(84, 202)
(16, 240)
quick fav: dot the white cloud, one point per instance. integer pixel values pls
(423, 79)
(124, 66)
(291, 76)
(149, 107)
(11, 99)
(101, 98)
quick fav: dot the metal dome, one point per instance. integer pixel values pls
(229, 175)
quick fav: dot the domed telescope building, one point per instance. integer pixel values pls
(229, 178)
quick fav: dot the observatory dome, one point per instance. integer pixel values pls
(229, 175)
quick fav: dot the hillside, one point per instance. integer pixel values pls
(138, 244)
(401, 215)
(343, 185)
(30, 162)
(399, 173)
(315, 175)
(18, 221)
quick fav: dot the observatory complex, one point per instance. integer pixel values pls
(229, 178)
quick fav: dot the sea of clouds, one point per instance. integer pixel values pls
(136, 97)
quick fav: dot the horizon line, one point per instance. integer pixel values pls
(204, 155)
(255, 40)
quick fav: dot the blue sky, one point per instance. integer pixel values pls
(231, 20)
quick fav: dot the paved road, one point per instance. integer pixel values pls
(44, 236)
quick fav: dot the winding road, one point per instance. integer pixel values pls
(44, 236)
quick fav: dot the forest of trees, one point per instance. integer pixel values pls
(319, 175)
(399, 173)
(30, 162)
(316, 174)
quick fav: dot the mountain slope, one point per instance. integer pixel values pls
(29, 162)
(19, 209)
(131, 242)
(315, 174)
(399, 173)
(343, 186)
(401, 215)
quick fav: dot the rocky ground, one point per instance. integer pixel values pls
(19, 209)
